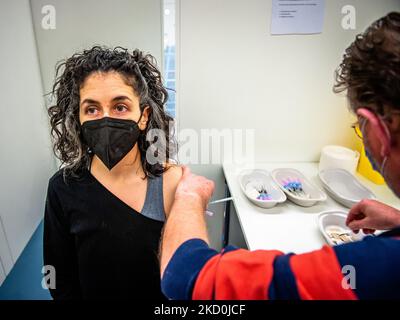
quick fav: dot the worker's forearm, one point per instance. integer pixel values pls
(186, 221)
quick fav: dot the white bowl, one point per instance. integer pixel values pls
(344, 187)
(334, 222)
(314, 193)
(247, 177)
(338, 157)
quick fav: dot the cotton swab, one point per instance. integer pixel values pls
(209, 213)
(221, 200)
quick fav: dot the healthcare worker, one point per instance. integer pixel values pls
(106, 207)
(368, 269)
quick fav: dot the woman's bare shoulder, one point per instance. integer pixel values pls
(173, 172)
(172, 175)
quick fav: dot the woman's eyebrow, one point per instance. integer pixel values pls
(90, 101)
(119, 98)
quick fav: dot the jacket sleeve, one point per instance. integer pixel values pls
(360, 270)
(198, 272)
(59, 249)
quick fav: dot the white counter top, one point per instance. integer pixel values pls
(288, 227)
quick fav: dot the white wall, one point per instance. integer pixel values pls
(234, 74)
(25, 158)
(80, 24)
(233, 70)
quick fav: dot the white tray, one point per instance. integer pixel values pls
(342, 186)
(263, 177)
(335, 221)
(314, 193)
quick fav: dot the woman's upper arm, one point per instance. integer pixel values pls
(171, 179)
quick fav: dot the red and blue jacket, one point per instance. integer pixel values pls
(198, 272)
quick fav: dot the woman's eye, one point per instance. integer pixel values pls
(121, 108)
(91, 110)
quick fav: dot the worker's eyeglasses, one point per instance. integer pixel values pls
(357, 130)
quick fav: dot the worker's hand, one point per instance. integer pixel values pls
(194, 189)
(370, 215)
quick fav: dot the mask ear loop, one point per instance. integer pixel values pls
(364, 122)
(386, 130)
(386, 152)
(383, 166)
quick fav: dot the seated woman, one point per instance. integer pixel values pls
(106, 207)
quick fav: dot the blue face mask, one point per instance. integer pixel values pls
(372, 161)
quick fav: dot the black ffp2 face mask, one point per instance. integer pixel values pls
(110, 139)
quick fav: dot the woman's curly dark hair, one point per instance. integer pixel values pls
(138, 70)
(370, 70)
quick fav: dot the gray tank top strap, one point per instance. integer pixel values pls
(153, 207)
